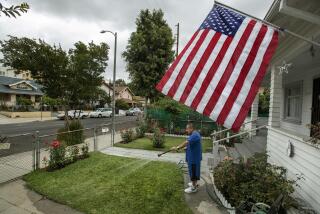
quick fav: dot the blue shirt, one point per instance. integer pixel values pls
(194, 148)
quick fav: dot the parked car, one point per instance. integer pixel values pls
(133, 112)
(73, 114)
(101, 112)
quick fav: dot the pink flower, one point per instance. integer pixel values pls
(55, 144)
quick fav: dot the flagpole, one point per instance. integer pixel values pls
(269, 23)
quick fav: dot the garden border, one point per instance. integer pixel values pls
(224, 202)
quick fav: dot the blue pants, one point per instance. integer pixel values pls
(194, 171)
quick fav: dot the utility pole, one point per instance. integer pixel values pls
(177, 35)
(114, 84)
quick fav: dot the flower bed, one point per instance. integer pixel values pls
(255, 180)
(60, 155)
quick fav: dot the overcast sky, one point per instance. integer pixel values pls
(69, 21)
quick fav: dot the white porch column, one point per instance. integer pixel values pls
(33, 98)
(254, 114)
(275, 98)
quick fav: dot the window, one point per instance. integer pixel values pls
(293, 102)
(5, 97)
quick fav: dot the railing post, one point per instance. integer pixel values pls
(34, 148)
(37, 150)
(213, 140)
(95, 146)
(228, 140)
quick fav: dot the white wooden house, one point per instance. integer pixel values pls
(295, 96)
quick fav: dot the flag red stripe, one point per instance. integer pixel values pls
(168, 74)
(186, 64)
(229, 69)
(200, 66)
(256, 83)
(242, 76)
(211, 73)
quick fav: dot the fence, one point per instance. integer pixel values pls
(176, 123)
(23, 153)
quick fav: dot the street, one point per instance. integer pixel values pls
(22, 134)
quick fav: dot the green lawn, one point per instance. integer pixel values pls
(110, 184)
(146, 143)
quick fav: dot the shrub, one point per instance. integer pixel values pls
(71, 138)
(257, 180)
(85, 151)
(57, 151)
(141, 130)
(127, 135)
(121, 104)
(23, 101)
(73, 153)
(171, 106)
(158, 138)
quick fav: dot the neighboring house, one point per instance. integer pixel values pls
(124, 93)
(107, 88)
(140, 100)
(295, 96)
(11, 88)
(4, 71)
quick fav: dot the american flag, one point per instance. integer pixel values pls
(219, 71)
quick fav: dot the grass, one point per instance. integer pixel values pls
(146, 143)
(110, 184)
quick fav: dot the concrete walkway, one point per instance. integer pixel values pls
(16, 198)
(7, 120)
(200, 202)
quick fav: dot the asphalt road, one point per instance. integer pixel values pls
(21, 135)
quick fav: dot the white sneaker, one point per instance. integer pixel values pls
(191, 190)
(190, 184)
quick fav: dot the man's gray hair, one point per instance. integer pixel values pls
(190, 125)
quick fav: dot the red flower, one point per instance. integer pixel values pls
(55, 144)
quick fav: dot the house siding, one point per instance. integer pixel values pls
(125, 94)
(305, 162)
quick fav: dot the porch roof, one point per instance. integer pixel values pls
(6, 81)
(290, 47)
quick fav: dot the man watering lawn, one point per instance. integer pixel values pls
(193, 156)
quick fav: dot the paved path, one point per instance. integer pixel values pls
(7, 120)
(16, 198)
(199, 202)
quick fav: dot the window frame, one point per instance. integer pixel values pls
(293, 85)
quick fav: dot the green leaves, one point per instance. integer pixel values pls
(256, 179)
(73, 77)
(149, 52)
(14, 11)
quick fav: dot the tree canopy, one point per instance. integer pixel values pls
(149, 52)
(72, 76)
(121, 82)
(14, 10)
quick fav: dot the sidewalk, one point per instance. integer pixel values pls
(199, 202)
(15, 197)
(7, 120)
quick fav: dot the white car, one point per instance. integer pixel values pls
(133, 112)
(101, 112)
(73, 114)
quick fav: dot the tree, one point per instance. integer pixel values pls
(104, 98)
(264, 101)
(149, 52)
(121, 104)
(72, 77)
(121, 82)
(14, 11)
